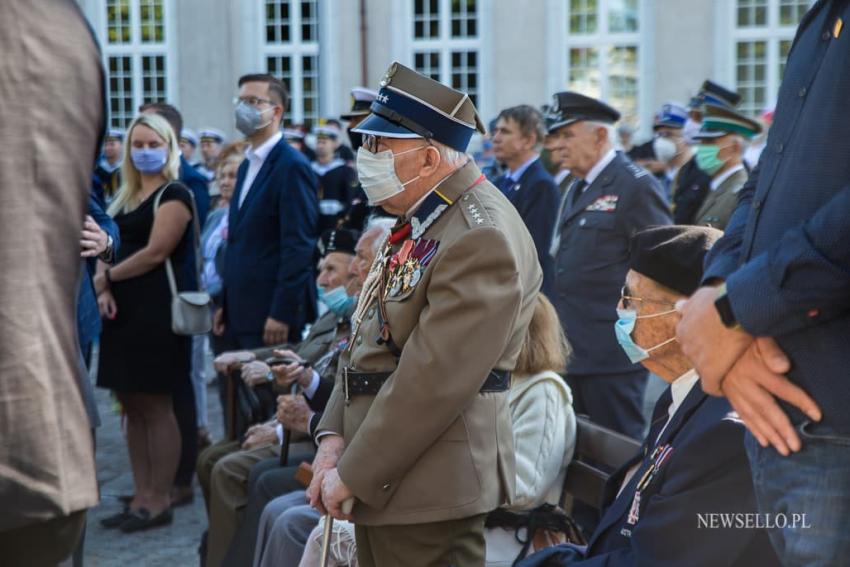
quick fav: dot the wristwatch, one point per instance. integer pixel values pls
(724, 308)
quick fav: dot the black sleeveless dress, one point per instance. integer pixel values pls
(138, 351)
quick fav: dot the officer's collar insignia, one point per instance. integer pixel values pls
(605, 204)
(432, 208)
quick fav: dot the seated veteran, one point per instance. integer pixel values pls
(667, 504)
(719, 153)
(267, 479)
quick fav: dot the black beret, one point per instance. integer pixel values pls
(337, 240)
(568, 107)
(672, 255)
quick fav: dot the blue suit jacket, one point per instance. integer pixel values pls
(88, 316)
(536, 198)
(706, 472)
(785, 255)
(268, 267)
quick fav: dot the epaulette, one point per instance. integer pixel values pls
(473, 210)
(637, 172)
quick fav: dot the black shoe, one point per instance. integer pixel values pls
(140, 519)
(115, 520)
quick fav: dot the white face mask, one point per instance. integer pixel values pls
(377, 174)
(664, 148)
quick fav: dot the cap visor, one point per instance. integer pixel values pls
(379, 126)
(561, 123)
(710, 135)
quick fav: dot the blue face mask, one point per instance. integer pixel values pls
(149, 161)
(623, 329)
(337, 300)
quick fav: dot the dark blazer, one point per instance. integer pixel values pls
(706, 472)
(536, 198)
(784, 255)
(268, 268)
(593, 257)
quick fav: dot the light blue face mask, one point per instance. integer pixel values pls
(337, 300)
(624, 327)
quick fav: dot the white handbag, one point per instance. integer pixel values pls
(190, 310)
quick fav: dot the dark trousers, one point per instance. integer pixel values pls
(614, 401)
(183, 402)
(267, 481)
(43, 544)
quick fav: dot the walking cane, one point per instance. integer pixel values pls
(329, 528)
(287, 434)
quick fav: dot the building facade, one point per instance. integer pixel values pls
(636, 54)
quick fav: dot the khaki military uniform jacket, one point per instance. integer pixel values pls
(719, 204)
(430, 447)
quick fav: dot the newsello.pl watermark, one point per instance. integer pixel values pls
(751, 521)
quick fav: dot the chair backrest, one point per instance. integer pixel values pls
(599, 452)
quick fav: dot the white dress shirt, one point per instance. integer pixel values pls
(256, 158)
(600, 165)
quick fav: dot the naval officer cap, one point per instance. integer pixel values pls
(570, 107)
(714, 93)
(411, 105)
(189, 136)
(326, 132)
(361, 99)
(115, 134)
(337, 240)
(672, 255)
(211, 135)
(719, 120)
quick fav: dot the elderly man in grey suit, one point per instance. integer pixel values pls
(51, 119)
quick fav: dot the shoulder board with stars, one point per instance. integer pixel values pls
(474, 211)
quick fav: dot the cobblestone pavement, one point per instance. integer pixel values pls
(173, 546)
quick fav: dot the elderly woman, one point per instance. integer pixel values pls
(141, 358)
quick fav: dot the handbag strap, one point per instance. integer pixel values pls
(169, 269)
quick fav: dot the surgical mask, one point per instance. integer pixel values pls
(337, 300)
(377, 175)
(623, 329)
(149, 161)
(248, 118)
(664, 148)
(707, 160)
(692, 127)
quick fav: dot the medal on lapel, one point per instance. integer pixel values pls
(405, 268)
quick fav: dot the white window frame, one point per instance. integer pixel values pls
(136, 50)
(445, 44)
(296, 49)
(729, 35)
(562, 41)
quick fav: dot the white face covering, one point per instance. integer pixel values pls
(664, 148)
(377, 174)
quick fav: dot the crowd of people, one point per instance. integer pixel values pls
(406, 333)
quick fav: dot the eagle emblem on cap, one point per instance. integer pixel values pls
(389, 75)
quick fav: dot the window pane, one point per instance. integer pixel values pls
(280, 66)
(153, 78)
(464, 73)
(120, 90)
(583, 74)
(623, 15)
(310, 89)
(151, 21)
(426, 19)
(118, 21)
(278, 21)
(623, 81)
(428, 63)
(752, 13)
(463, 14)
(751, 75)
(583, 16)
(791, 11)
(309, 21)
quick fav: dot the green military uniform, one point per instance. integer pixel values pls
(440, 323)
(720, 203)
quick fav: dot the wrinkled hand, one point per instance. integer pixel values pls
(334, 494)
(106, 305)
(706, 341)
(226, 360)
(294, 413)
(255, 373)
(218, 322)
(93, 239)
(259, 435)
(752, 386)
(286, 374)
(330, 450)
(275, 332)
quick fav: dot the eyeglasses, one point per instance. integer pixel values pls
(371, 143)
(625, 298)
(252, 100)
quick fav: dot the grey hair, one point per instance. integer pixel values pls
(610, 131)
(449, 155)
(382, 227)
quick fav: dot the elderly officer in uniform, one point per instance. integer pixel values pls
(719, 153)
(611, 199)
(417, 430)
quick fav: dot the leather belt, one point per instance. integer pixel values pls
(369, 383)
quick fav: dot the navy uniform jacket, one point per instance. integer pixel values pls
(268, 268)
(536, 198)
(337, 186)
(705, 472)
(690, 188)
(785, 255)
(593, 257)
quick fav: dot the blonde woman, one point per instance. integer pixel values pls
(141, 359)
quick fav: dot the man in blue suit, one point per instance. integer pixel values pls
(687, 497)
(269, 290)
(517, 138)
(772, 324)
